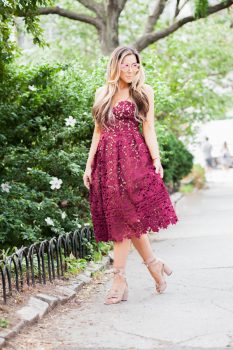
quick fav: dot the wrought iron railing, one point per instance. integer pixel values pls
(42, 261)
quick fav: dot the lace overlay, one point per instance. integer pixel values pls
(127, 197)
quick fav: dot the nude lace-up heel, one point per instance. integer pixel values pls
(157, 267)
(117, 294)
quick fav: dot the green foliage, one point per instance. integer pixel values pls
(195, 179)
(198, 174)
(8, 10)
(74, 265)
(4, 253)
(188, 188)
(96, 252)
(177, 161)
(36, 145)
(7, 47)
(99, 249)
(38, 148)
(201, 7)
(190, 77)
(4, 323)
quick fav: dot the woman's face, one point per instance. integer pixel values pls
(128, 68)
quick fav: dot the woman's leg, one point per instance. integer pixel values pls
(120, 251)
(143, 246)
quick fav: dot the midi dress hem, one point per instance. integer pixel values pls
(137, 234)
(127, 197)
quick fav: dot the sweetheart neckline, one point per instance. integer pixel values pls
(122, 101)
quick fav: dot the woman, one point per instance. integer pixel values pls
(123, 171)
(225, 156)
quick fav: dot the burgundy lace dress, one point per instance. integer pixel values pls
(127, 197)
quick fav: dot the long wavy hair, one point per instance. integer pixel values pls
(102, 108)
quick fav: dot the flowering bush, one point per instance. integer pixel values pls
(45, 134)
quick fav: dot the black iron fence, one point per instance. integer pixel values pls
(42, 261)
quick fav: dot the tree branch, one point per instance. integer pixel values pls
(221, 6)
(68, 14)
(149, 38)
(153, 18)
(94, 6)
(177, 8)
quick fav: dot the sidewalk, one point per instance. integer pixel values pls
(196, 309)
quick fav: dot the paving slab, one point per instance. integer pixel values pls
(196, 310)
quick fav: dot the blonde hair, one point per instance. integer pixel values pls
(102, 110)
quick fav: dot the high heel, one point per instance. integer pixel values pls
(157, 267)
(117, 294)
(125, 295)
(167, 269)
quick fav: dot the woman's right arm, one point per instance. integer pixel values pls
(94, 145)
(92, 151)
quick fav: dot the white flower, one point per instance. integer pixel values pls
(210, 84)
(63, 215)
(49, 221)
(61, 73)
(6, 3)
(204, 62)
(70, 121)
(32, 88)
(55, 183)
(190, 110)
(79, 226)
(229, 75)
(5, 187)
(86, 224)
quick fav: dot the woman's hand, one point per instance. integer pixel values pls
(87, 177)
(158, 166)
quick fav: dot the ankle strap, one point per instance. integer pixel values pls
(149, 261)
(119, 271)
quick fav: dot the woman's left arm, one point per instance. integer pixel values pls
(148, 128)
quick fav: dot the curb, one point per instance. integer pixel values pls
(40, 304)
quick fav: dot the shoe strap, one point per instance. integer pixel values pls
(149, 261)
(119, 271)
(114, 294)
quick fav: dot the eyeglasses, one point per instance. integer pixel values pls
(125, 67)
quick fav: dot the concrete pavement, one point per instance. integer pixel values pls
(196, 311)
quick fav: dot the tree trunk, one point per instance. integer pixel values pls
(108, 37)
(106, 20)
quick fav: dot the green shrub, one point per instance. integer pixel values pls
(177, 161)
(37, 148)
(196, 177)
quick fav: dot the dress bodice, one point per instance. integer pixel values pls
(124, 109)
(124, 112)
